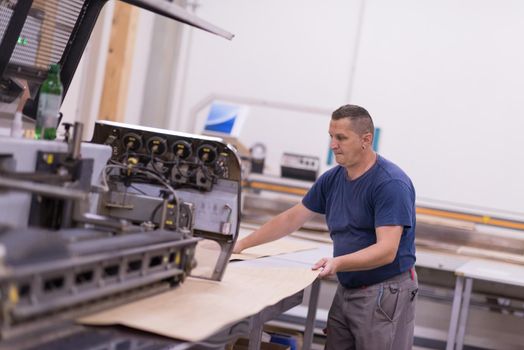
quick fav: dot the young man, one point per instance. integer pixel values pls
(369, 204)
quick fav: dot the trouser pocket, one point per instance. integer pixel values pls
(387, 301)
(411, 304)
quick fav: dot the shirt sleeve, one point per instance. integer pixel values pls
(394, 205)
(315, 198)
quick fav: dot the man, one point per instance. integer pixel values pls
(369, 204)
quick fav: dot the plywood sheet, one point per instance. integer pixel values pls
(280, 246)
(199, 308)
(322, 237)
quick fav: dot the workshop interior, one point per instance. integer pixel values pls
(175, 127)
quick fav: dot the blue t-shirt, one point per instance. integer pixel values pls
(382, 196)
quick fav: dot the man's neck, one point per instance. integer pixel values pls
(368, 160)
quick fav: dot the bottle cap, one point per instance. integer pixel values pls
(54, 68)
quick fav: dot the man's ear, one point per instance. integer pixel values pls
(367, 139)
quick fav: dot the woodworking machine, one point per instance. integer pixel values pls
(85, 226)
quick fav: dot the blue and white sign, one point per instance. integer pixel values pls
(225, 118)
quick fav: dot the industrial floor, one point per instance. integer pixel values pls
(316, 346)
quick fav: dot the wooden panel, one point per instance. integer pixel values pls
(119, 62)
(50, 9)
(199, 308)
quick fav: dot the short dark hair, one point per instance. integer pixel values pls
(361, 121)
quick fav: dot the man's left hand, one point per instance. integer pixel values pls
(327, 267)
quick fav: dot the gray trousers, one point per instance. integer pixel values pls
(378, 317)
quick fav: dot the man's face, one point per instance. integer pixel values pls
(345, 143)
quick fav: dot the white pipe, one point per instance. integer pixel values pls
(356, 49)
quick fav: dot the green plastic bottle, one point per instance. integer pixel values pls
(49, 105)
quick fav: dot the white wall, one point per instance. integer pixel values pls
(442, 78)
(283, 53)
(137, 82)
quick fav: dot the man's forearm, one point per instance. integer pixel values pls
(368, 258)
(281, 225)
(274, 229)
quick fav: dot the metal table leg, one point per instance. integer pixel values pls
(311, 315)
(269, 313)
(255, 336)
(455, 311)
(466, 297)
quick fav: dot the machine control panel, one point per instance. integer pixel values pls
(184, 160)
